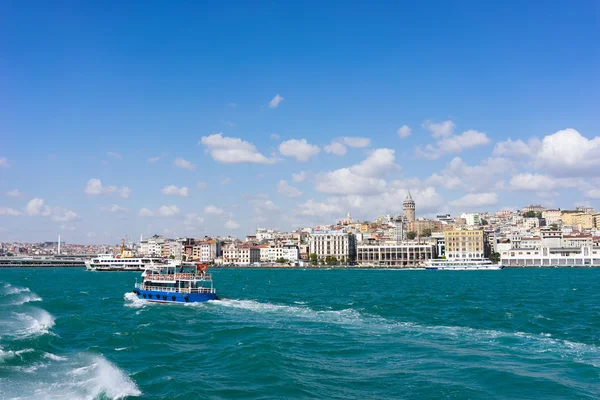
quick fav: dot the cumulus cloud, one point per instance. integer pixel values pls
(94, 187)
(453, 144)
(517, 148)
(36, 207)
(592, 194)
(145, 212)
(459, 174)
(299, 177)
(15, 193)
(532, 182)
(210, 209)
(183, 163)
(300, 149)
(321, 210)
(4, 162)
(356, 141)
(231, 224)
(404, 131)
(168, 211)
(336, 148)
(193, 220)
(10, 211)
(173, 190)
(152, 160)
(568, 153)
(274, 136)
(472, 200)
(285, 189)
(275, 101)
(229, 150)
(115, 208)
(439, 130)
(362, 178)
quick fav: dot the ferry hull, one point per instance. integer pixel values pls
(467, 268)
(173, 297)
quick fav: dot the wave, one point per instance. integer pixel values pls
(32, 322)
(85, 377)
(10, 289)
(133, 301)
(25, 299)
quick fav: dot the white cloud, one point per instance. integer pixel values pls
(459, 174)
(533, 182)
(441, 129)
(362, 178)
(568, 153)
(231, 224)
(168, 211)
(201, 185)
(275, 101)
(318, 209)
(185, 164)
(592, 194)
(152, 160)
(114, 155)
(10, 211)
(357, 141)
(193, 219)
(115, 208)
(210, 209)
(4, 162)
(517, 148)
(94, 187)
(62, 215)
(336, 148)
(404, 131)
(173, 190)
(36, 207)
(145, 212)
(300, 149)
(299, 177)
(454, 144)
(476, 200)
(284, 189)
(15, 193)
(274, 136)
(68, 227)
(229, 150)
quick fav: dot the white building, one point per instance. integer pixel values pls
(266, 234)
(547, 257)
(207, 251)
(395, 255)
(338, 244)
(153, 246)
(552, 217)
(472, 218)
(289, 252)
(241, 255)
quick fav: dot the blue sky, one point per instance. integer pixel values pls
(499, 104)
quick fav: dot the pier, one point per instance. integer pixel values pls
(42, 261)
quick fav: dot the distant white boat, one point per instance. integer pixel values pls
(111, 262)
(463, 264)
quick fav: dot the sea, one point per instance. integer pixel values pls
(66, 333)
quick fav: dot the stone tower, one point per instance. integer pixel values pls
(409, 208)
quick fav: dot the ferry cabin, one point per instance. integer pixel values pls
(176, 284)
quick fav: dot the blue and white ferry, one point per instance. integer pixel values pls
(176, 283)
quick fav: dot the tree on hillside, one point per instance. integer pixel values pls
(426, 232)
(529, 214)
(411, 235)
(554, 227)
(484, 222)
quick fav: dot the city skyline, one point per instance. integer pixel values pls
(228, 119)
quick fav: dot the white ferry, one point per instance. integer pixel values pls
(462, 264)
(111, 262)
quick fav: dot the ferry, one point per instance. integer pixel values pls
(111, 262)
(124, 261)
(176, 283)
(462, 264)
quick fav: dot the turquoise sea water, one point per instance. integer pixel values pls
(283, 334)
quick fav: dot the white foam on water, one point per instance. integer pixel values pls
(6, 355)
(55, 357)
(36, 322)
(86, 377)
(120, 348)
(26, 299)
(10, 289)
(131, 300)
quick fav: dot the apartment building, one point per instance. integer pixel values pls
(464, 243)
(338, 244)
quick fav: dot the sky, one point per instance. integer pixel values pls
(119, 119)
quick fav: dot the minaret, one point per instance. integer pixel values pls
(409, 208)
(58, 251)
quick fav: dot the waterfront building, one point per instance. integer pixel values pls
(288, 251)
(331, 243)
(552, 257)
(409, 208)
(464, 243)
(570, 241)
(207, 250)
(398, 230)
(241, 255)
(153, 246)
(395, 255)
